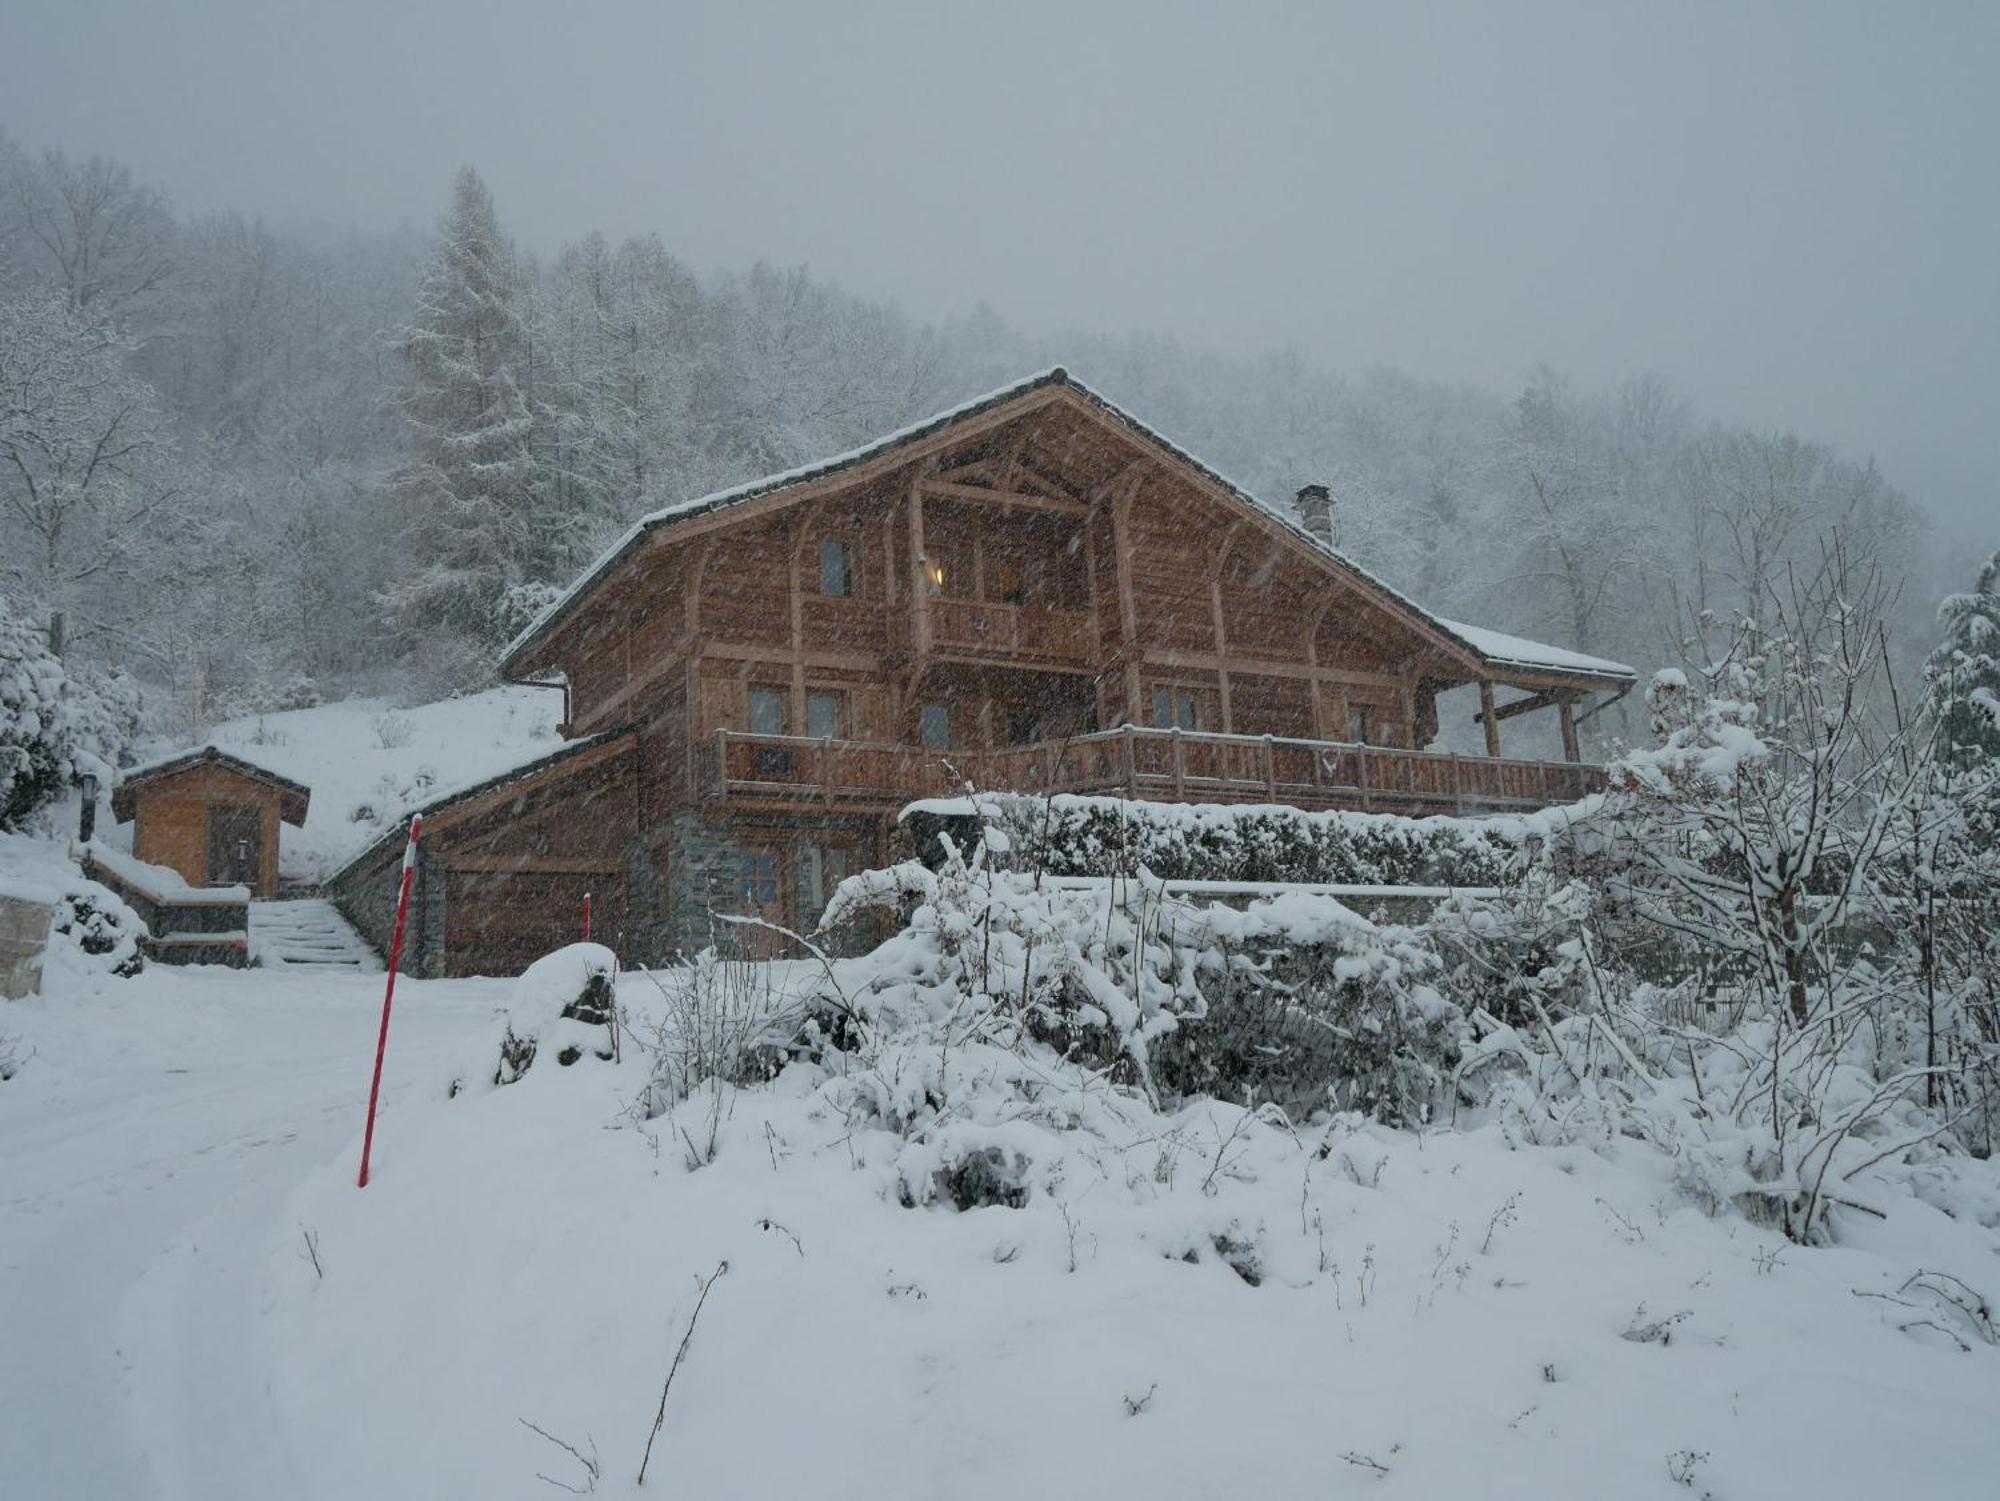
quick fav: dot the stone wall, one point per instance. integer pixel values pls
(24, 935)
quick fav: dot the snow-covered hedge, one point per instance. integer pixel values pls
(1078, 836)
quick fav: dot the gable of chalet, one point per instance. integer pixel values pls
(957, 432)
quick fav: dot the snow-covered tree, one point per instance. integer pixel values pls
(468, 493)
(84, 476)
(1965, 671)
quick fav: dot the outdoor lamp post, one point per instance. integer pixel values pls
(86, 819)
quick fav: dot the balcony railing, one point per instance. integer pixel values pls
(1180, 766)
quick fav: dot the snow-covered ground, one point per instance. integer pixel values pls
(369, 757)
(1433, 1315)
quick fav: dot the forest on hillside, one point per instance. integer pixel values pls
(252, 466)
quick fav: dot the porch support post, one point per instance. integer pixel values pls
(1566, 712)
(1487, 717)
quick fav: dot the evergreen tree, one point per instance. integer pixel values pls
(1965, 673)
(468, 493)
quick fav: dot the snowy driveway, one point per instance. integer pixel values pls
(144, 1151)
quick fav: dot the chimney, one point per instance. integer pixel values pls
(1315, 503)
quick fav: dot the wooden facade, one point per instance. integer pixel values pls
(1030, 592)
(212, 817)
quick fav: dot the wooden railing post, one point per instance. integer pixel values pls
(1361, 776)
(1457, 785)
(1270, 770)
(1131, 765)
(1180, 763)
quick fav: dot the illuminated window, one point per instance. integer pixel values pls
(1357, 724)
(836, 568)
(767, 711)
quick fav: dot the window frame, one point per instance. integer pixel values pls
(830, 550)
(838, 697)
(1183, 708)
(936, 711)
(766, 693)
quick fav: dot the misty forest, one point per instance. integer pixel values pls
(1271, 768)
(252, 468)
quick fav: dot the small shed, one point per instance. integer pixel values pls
(210, 815)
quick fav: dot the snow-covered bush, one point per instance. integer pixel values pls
(101, 928)
(564, 1004)
(54, 723)
(720, 1018)
(1076, 836)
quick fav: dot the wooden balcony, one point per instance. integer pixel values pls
(1164, 765)
(1026, 634)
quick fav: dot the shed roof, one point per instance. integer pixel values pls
(1495, 649)
(293, 796)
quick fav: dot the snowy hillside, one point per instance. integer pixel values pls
(367, 761)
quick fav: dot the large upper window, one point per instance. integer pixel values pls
(934, 726)
(767, 711)
(1174, 709)
(836, 568)
(826, 714)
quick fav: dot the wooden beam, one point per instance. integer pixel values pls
(1521, 706)
(1566, 713)
(940, 489)
(1488, 718)
(1216, 622)
(798, 624)
(920, 616)
(1242, 666)
(1128, 609)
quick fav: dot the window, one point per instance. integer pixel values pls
(757, 879)
(1357, 723)
(934, 726)
(821, 868)
(826, 714)
(836, 568)
(767, 711)
(1174, 709)
(1024, 725)
(1013, 583)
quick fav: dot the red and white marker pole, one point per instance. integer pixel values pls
(586, 917)
(389, 991)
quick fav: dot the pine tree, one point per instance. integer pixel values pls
(468, 494)
(1965, 673)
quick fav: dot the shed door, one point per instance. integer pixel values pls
(235, 844)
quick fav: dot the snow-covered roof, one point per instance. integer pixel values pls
(396, 833)
(1054, 376)
(293, 808)
(1504, 650)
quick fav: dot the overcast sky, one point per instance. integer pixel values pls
(1791, 210)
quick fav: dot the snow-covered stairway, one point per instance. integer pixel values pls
(306, 933)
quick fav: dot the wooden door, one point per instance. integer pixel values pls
(235, 845)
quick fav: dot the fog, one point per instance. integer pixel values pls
(1791, 214)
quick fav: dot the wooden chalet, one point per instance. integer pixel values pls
(211, 816)
(1033, 591)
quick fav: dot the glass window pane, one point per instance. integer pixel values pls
(1357, 724)
(936, 726)
(826, 714)
(836, 574)
(767, 711)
